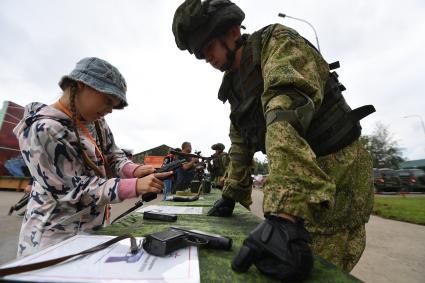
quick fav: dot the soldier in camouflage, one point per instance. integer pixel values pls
(286, 103)
(219, 165)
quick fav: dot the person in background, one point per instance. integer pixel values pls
(71, 154)
(218, 166)
(168, 183)
(186, 173)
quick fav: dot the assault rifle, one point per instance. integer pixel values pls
(196, 155)
(200, 167)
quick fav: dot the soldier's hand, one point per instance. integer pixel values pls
(278, 248)
(223, 207)
(151, 183)
(143, 170)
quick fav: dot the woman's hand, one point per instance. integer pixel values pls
(143, 170)
(151, 183)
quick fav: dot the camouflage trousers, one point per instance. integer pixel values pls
(343, 249)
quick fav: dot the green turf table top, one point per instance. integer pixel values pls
(214, 264)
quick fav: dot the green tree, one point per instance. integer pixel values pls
(385, 151)
(260, 167)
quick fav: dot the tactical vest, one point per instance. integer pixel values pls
(244, 94)
(332, 127)
(218, 164)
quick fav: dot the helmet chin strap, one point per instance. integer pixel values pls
(231, 54)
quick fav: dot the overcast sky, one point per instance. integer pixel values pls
(173, 97)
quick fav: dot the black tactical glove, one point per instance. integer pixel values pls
(278, 248)
(223, 207)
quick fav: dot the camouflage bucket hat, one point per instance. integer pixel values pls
(100, 75)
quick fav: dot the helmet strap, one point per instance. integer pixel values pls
(231, 54)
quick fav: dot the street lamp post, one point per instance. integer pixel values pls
(304, 21)
(420, 118)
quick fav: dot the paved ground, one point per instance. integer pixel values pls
(395, 251)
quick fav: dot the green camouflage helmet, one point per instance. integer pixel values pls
(195, 23)
(218, 146)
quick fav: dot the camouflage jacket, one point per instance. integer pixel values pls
(331, 192)
(219, 164)
(67, 196)
(224, 161)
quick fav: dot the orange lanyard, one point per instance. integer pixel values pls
(65, 110)
(61, 107)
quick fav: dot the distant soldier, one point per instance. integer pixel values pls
(286, 103)
(218, 165)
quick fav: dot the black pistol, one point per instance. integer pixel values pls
(168, 241)
(213, 241)
(166, 168)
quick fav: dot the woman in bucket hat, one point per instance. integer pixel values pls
(70, 151)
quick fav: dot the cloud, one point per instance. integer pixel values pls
(173, 96)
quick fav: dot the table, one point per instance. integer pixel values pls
(214, 264)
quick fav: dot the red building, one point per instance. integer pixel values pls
(10, 115)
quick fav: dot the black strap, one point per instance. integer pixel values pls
(21, 203)
(363, 111)
(334, 65)
(241, 158)
(334, 115)
(136, 206)
(146, 197)
(354, 116)
(257, 45)
(276, 115)
(50, 262)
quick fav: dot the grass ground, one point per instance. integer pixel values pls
(409, 209)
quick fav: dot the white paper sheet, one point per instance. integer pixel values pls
(171, 209)
(113, 264)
